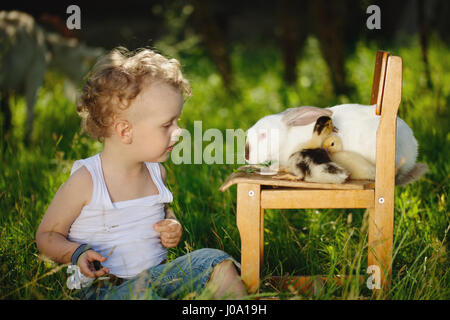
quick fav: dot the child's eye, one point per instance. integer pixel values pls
(170, 123)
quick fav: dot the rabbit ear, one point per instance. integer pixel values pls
(303, 115)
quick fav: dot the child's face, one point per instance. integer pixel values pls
(153, 116)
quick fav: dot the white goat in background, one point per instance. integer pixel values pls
(27, 51)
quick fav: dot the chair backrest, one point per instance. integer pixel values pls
(379, 75)
(382, 82)
(386, 94)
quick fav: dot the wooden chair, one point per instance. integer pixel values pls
(255, 193)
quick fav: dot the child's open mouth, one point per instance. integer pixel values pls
(171, 147)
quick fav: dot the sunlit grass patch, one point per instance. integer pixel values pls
(308, 242)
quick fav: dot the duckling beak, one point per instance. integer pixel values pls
(335, 129)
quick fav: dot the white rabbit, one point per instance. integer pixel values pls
(358, 126)
(276, 137)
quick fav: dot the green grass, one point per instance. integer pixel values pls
(296, 241)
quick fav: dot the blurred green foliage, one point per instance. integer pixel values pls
(297, 241)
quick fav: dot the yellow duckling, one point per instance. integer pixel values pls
(322, 129)
(312, 163)
(358, 166)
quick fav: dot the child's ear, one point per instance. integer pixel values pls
(123, 130)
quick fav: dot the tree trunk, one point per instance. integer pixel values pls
(329, 22)
(214, 40)
(424, 33)
(290, 44)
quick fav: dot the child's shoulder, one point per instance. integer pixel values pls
(67, 203)
(80, 184)
(82, 175)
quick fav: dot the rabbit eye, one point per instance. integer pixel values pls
(262, 135)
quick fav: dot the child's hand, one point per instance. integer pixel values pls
(170, 230)
(86, 264)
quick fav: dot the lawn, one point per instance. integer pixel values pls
(296, 241)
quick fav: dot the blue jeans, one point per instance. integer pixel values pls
(173, 280)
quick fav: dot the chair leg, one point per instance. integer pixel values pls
(381, 221)
(248, 215)
(261, 238)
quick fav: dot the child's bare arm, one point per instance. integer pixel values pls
(51, 236)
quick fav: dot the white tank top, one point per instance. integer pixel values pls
(121, 231)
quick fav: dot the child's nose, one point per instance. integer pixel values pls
(176, 134)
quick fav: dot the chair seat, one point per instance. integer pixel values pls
(268, 180)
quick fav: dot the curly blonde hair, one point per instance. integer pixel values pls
(117, 79)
